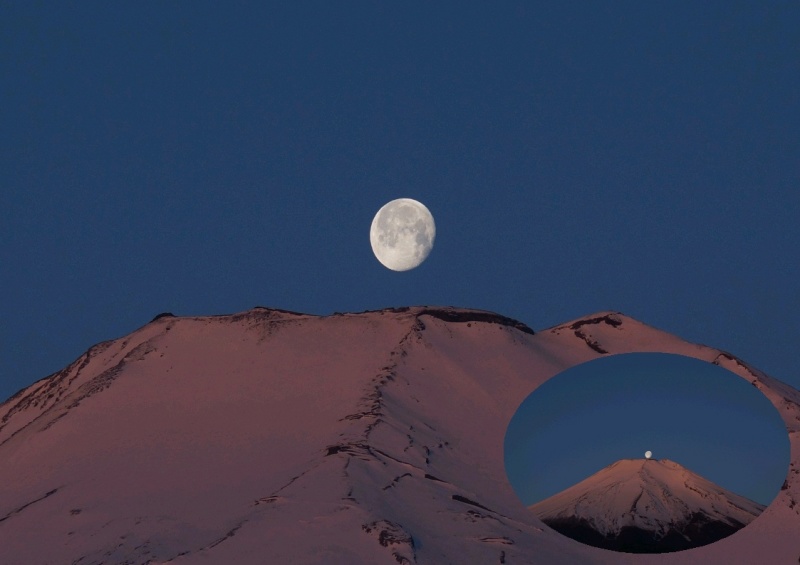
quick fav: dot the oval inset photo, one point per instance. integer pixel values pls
(647, 453)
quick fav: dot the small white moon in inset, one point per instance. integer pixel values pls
(648, 454)
(402, 234)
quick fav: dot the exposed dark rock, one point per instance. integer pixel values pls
(24, 506)
(162, 315)
(353, 448)
(502, 539)
(466, 500)
(395, 310)
(394, 536)
(739, 362)
(609, 319)
(358, 415)
(395, 481)
(590, 342)
(228, 535)
(279, 310)
(389, 533)
(461, 316)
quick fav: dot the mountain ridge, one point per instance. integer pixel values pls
(352, 438)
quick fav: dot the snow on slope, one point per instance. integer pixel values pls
(287, 438)
(660, 497)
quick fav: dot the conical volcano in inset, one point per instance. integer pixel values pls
(646, 506)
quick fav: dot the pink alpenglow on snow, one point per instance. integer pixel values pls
(647, 506)
(277, 437)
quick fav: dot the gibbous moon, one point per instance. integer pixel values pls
(648, 454)
(402, 234)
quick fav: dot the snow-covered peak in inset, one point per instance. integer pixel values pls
(665, 503)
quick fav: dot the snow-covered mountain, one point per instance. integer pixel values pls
(276, 437)
(646, 506)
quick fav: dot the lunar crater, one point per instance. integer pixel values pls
(402, 234)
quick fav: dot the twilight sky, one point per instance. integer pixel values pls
(201, 159)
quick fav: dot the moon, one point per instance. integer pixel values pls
(402, 234)
(648, 454)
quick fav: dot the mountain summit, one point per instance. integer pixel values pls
(646, 506)
(270, 436)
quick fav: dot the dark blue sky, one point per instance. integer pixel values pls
(201, 159)
(697, 414)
